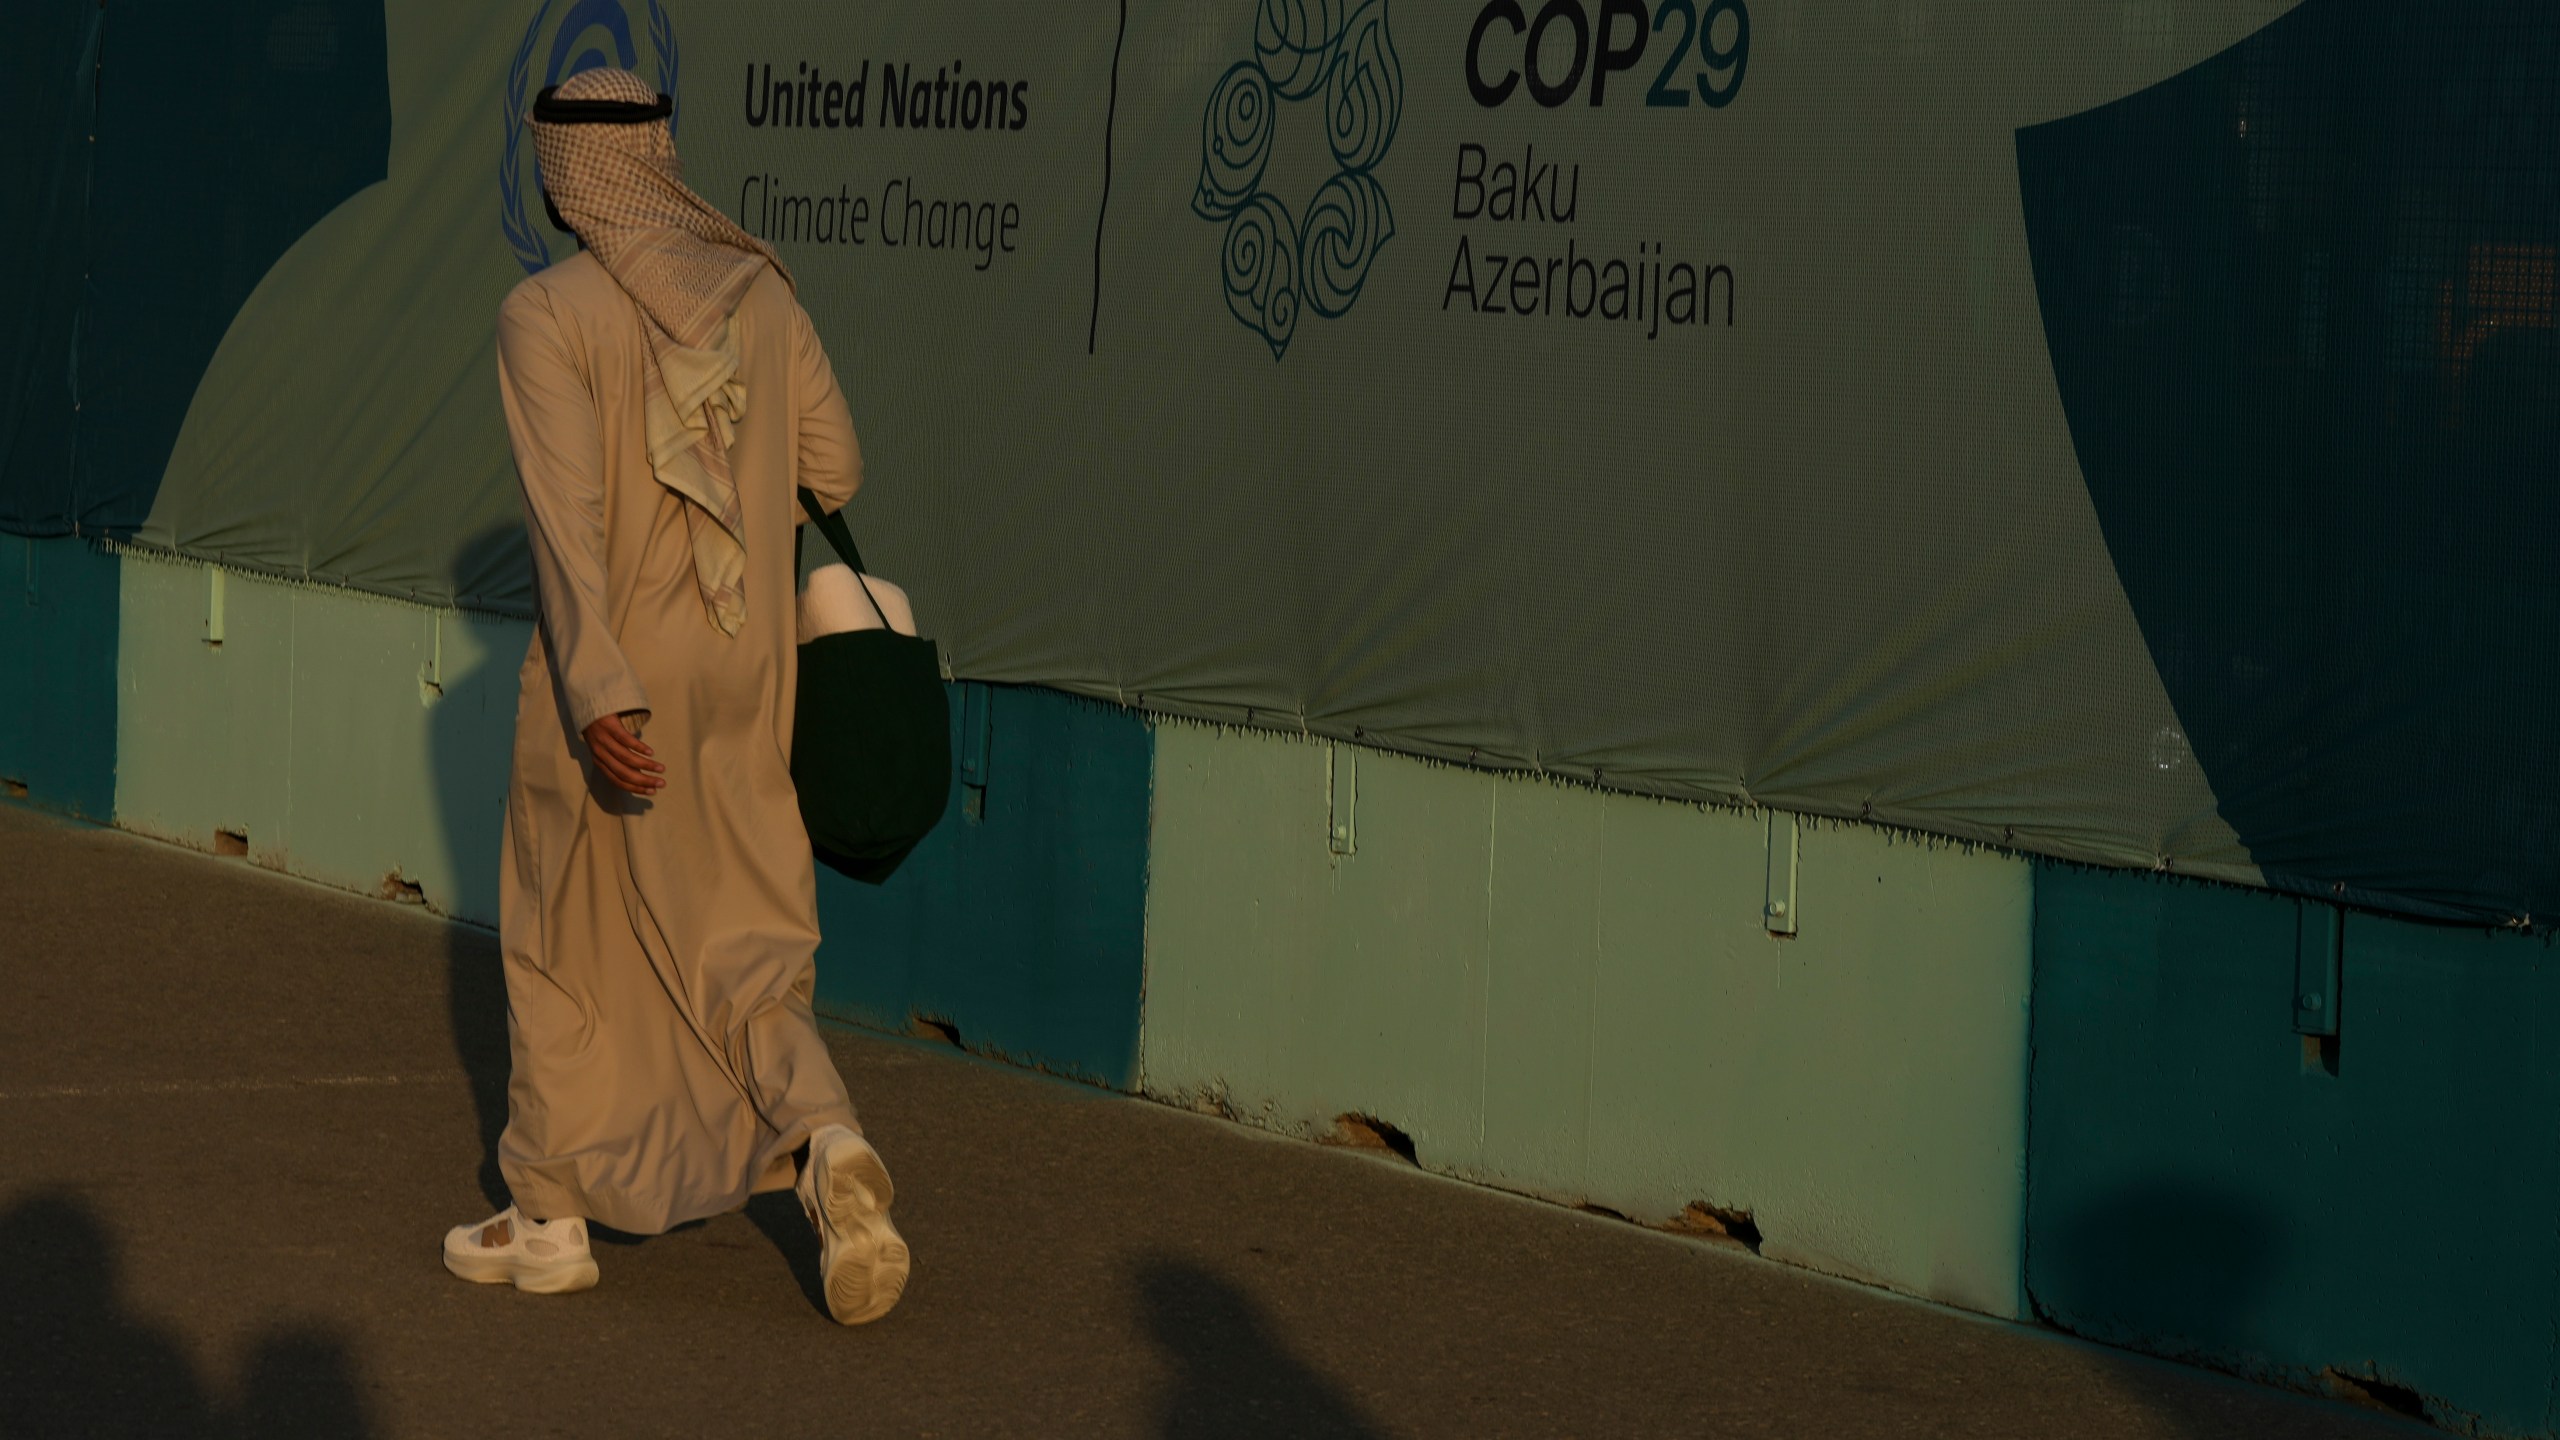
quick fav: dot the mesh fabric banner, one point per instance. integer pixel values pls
(2118, 431)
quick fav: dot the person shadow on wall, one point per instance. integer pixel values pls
(74, 1360)
(2178, 1267)
(1233, 1377)
(471, 739)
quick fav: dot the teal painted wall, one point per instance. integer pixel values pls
(1551, 989)
(2201, 1190)
(1574, 994)
(1021, 920)
(58, 626)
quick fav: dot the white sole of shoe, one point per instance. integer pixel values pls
(861, 1257)
(524, 1274)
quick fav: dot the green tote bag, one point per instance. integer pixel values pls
(871, 737)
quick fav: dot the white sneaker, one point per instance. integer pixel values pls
(845, 1190)
(551, 1258)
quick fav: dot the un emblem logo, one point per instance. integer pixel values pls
(1272, 260)
(585, 35)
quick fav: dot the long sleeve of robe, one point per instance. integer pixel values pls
(659, 952)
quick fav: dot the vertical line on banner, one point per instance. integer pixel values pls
(93, 55)
(1093, 326)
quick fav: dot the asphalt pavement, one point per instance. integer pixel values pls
(238, 1112)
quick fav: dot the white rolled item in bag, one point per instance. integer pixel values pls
(830, 604)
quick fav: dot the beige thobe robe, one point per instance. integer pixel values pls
(658, 951)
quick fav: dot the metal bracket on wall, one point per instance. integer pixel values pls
(1342, 774)
(977, 732)
(2318, 948)
(1778, 909)
(431, 674)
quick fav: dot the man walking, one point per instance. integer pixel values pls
(665, 393)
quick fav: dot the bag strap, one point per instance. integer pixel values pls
(831, 524)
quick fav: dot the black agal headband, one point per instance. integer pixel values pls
(550, 109)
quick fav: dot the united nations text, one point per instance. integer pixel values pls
(904, 97)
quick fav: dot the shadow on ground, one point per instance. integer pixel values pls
(777, 1214)
(1233, 1377)
(477, 996)
(76, 1360)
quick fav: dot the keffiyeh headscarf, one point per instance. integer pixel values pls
(609, 164)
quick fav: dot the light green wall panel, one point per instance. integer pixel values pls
(1574, 994)
(1544, 960)
(204, 733)
(1289, 987)
(352, 740)
(1860, 1089)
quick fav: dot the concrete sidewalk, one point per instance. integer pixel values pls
(237, 1113)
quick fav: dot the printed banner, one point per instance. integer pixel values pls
(2107, 431)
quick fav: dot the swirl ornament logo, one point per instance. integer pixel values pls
(1272, 261)
(586, 35)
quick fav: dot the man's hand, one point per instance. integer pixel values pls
(629, 764)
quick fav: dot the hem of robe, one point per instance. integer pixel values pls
(537, 1187)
